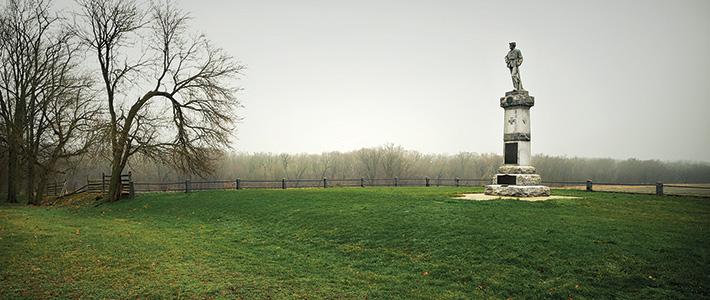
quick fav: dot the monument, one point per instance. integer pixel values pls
(516, 177)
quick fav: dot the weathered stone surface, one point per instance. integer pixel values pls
(517, 98)
(514, 169)
(484, 197)
(528, 179)
(516, 120)
(521, 179)
(516, 153)
(516, 136)
(524, 158)
(517, 190)
(514, 92)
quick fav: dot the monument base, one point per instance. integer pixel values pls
(515, 169)
(517, 190)
(517, 181)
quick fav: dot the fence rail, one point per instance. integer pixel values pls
(686, 186)
(55, 188)
(98, 186)
(130, 187)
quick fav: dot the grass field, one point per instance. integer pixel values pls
(358, 243)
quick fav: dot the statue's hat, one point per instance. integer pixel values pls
(512, 42)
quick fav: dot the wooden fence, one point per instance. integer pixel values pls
(129, 187)
(188, 185)
(98, 186)
(55, 189)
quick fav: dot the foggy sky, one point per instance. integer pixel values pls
(614, 79)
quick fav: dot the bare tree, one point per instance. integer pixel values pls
(39, 84)
(323, 164)
(70, 121)
(396, 161)
(14, 86)
(186, 116)
(353, 164)
(370, 160)
(285, 159)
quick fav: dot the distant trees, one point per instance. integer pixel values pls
(371, 163)
(46, 110)
(168, 93)
(393, 161)
(396, 160)
(368, 163)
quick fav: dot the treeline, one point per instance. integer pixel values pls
(390, 161)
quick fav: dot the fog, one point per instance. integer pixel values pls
(619, 79)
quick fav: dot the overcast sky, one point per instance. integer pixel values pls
(614, 79)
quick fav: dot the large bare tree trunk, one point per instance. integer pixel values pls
(30, 180)
(115, 186)
(15, 142)
(40, 190)
(13, 171)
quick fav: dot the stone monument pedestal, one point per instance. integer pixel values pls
(517, 181)
(516, 178)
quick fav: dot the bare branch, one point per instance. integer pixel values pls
(187, 114)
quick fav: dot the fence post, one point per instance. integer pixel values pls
(325, 182)
(103, 183)
(438, 180)
(188, 186)
(659, 188)
(238, 183)
(457, 182)
(283, 183)
(396, 181)
(427, 181)
(56, 188)
(362, 181)
(589, 185)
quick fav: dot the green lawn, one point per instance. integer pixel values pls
(358, 243)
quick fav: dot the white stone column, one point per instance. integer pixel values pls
(516, 127)
(517, 177)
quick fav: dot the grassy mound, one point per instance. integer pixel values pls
(358, 243)
(75, 201)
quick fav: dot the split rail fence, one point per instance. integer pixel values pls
(98, 186)
(129, 187)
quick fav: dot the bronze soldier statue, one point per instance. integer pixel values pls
(513, 60)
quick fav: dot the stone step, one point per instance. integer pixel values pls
(517, 190)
